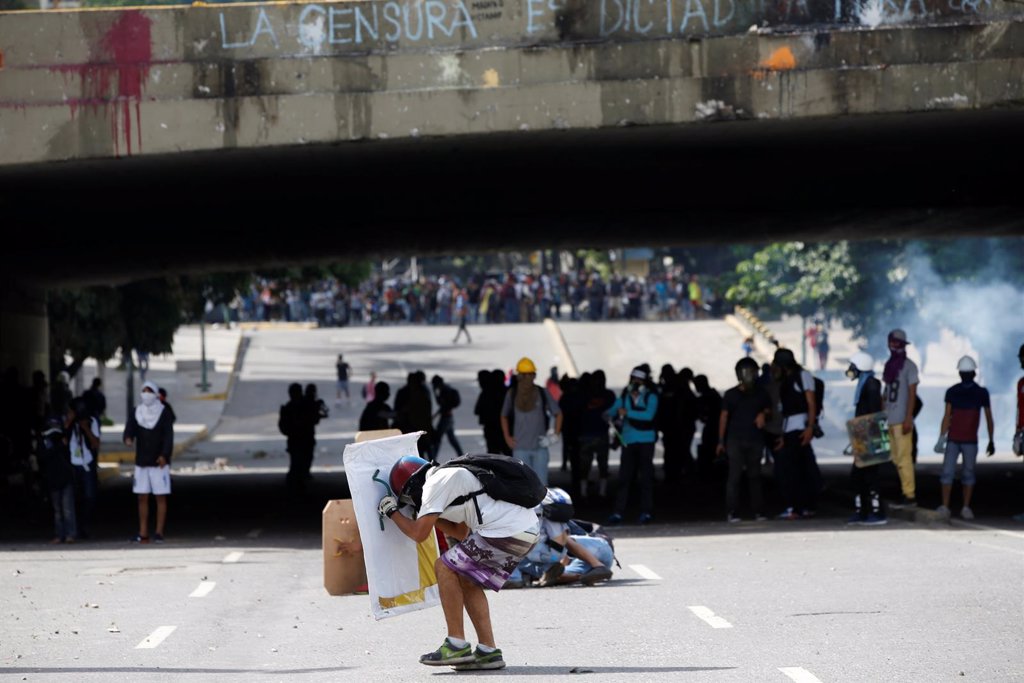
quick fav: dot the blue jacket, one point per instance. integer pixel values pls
(644, 409)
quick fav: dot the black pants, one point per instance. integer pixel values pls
(593, 448)
(496, 440)
(446, 427)
(637, 461)
(744, 463)
(300, 460)
(865, 483)
(797, 472)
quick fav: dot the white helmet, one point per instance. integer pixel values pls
(862, 361)
(967, 364)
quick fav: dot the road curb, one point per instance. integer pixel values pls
(569, 363)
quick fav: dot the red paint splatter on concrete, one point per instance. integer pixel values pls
(124, 55)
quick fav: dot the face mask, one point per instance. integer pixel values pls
(747, 377)
(148, 398)
(634, 387)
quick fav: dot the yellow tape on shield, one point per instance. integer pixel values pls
(426, 555)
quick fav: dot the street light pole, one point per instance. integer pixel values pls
(203, 384)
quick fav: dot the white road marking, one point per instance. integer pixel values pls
(155, 638)
(709, 616)
(233, 557)
(203, 590)
(799, 674)
(255, 533)
(644, 572)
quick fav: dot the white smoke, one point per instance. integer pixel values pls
(987, 319)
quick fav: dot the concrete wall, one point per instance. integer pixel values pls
(24, 330)
(95, 84)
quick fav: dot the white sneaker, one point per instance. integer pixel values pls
(967, 513)
(943, 510)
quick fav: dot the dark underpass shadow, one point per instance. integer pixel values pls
(552, 671)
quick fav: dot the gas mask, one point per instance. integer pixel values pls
(747, 376)
(852, 372)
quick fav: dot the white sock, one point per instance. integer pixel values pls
(458, 642)
(486, 649)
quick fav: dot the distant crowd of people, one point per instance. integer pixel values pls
(482, 298)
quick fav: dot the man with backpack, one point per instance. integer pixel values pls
(795, 464)
(867, 400)
(466, 499)
(525, 416)
(448, 400)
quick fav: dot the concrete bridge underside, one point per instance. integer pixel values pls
(253, 134)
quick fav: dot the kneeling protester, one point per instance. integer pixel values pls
(483, 504)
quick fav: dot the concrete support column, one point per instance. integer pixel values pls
(24, 329)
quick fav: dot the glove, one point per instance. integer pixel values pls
(387, 506)
(991, 450)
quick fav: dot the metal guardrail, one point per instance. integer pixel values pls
(758, 325)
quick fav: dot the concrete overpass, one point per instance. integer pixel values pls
(428, 125)
(136, 142)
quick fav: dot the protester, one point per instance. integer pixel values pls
(377, 414)
(867, 400)
(297, 421)
(151, 430)
(83, 436)
(492, 536)
(959, 430)
(525, 417)
(637, 406)
(901, 379)
(795, 464)
(745, 409)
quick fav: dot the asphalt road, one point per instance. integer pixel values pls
(236, 592)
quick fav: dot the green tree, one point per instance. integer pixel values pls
(795, 277)
(84, 323)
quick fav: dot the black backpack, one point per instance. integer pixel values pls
(454, 400)
(580, 527)
(503, 478)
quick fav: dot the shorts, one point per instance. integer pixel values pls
(343, 386)
(155, 480)
(488, 562)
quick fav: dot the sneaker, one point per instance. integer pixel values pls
(448, 655)
(967, 513)
(905, 503)
(790, 513)
(483, 660)
(158, 538)
(875, 519)
(512, 584)
(943, 511)
(139, 538)
(645, 518)
(614, 519)
(855, 518)
(732, 519)
(550, 577)
(594, 575)
(362, 590)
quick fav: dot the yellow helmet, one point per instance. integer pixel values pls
(526, 366)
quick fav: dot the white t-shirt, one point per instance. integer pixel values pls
(500, 519)
(81, 454)
(798, 422)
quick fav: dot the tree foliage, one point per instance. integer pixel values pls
(794, 277)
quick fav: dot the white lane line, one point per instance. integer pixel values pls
(255, 533)
(233, 557)
(203, 590)
(799, 674)
(155, 638)
(644, 572)
(709, 616)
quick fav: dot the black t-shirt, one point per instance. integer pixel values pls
(743, 407)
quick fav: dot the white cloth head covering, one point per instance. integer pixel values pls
(148, 416)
